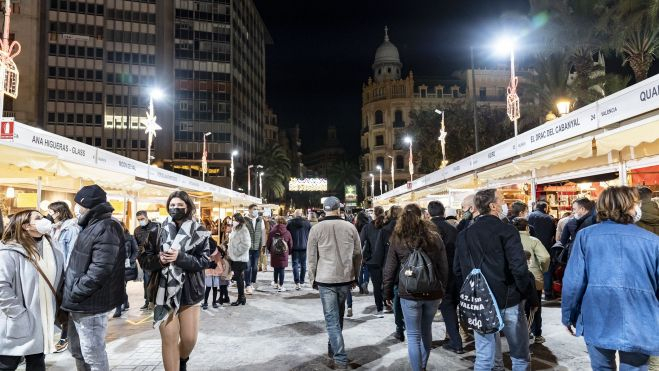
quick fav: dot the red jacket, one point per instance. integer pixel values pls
(279, 261)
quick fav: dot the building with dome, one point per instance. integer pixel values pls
(387, 101)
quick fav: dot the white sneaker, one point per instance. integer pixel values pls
(298, 287)
(273, 284)
(276, 287)
(282, 288)
(249, 290)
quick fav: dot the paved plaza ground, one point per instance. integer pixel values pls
(286, 331)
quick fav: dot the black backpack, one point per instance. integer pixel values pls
(418, 275)
(478, 309)
(279, 245)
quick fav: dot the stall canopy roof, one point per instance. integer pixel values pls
(644, 131)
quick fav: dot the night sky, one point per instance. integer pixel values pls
(323, 50)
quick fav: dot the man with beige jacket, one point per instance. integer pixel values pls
(334, 259)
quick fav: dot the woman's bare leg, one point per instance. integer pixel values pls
(189, 329)
(169, 332)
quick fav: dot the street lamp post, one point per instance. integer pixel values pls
(380, 170)
(150, 125)
(204, 159)
(372, 187)
(261, 184)
(249, 180)
(473, 97)
(258, 171)
(232, 169)
(393, 183)
(512, 99)
(442, 139)
(411, 160)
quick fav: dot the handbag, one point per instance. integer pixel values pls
(61, 316)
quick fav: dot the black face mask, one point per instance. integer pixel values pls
(177, 213)
(49, 217)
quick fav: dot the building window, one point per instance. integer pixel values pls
(379, 140)
(398, 119)
(379, 162)
(501, 92)
(400, 162)
(482, 93)
(424, 92)
(379, 117)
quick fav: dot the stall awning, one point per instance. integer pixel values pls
(644, 131)
(580, 148)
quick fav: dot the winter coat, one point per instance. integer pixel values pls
(381, 248)
(299, 228)
(544, 227)
(66, 234)
(499, 247)
(131, 254)
(649, 216)
(147, 236)
(239, 244)
(279, 261)
(369, 233)
(20, 307)
(95, 275)
(611, 287)
(217, 258)
(399, 252)
(449, 234)
(334, 255)
(539, 258)
(574, 225)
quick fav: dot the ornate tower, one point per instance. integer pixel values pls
(387, 61)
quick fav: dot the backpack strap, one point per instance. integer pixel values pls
(477, 243)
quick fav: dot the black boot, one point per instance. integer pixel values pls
(145, 306)
(184, 364)
(240, 301)
(215, 303)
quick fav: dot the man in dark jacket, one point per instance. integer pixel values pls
(94, 282)
(146, 235)
(545, 230)
(496, 248)
(449, 305)
(299, 228)
(379, 258)
(584, 216)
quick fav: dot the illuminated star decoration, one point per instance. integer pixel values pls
(8, 51)
(150, 125)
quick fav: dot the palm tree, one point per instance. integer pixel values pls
(342, 173)
(549, 81)
(615, 82)
(640, 49)
(277, 171)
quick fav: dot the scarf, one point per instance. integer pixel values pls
(47, 264)
(185, 240)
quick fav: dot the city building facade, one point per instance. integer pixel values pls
(318, 162)
(99, 60)
(388, 98)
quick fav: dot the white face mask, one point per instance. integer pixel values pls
(639, 213)
(77, 210)
(504, 211)
(255, 213)
(43, 226)
(234, 224)
(144, 223)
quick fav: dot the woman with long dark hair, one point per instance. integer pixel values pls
(239, 244)
(30, 270)
(609, 291)
(412, 233)
(184, 254)
(65, 231)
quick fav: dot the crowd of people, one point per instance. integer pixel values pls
(70, 268)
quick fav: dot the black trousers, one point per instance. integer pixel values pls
(239, 272)
(376, 277)
(33, 362)
(449, 309)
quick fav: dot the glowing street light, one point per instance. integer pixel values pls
(411, 160)
(258, 172)
(261, 184)
(233, 154)
(150, 125)
(372, 186)
(204, 159)
(507, 45)
(563, 106)
(380, 170)
(442, 139)
(392, 172)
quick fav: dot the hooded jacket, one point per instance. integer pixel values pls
(95, 274)
(370, 233)
(381, 248)
(544, 227)
(20, 309)
(279, 261)
(239, 243)
(649, 216)
(299, 228)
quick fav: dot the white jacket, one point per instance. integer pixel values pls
(239, 244)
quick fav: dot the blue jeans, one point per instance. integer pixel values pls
(418, 322)
(605, 359)
(279, 276)
(363, 275)
(87, 341)
(488, 347)
(548, 282)
(349, 299)
(252, 268)
(333, 299)
(299, 266)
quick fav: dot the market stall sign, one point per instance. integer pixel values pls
(164, 176)
(494, 154)
(351, 193)
(113, 162)
(7, 130)
(307, 185)
(637, 99)
(44, 142)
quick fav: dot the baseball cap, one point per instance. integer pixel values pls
(331, 203)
